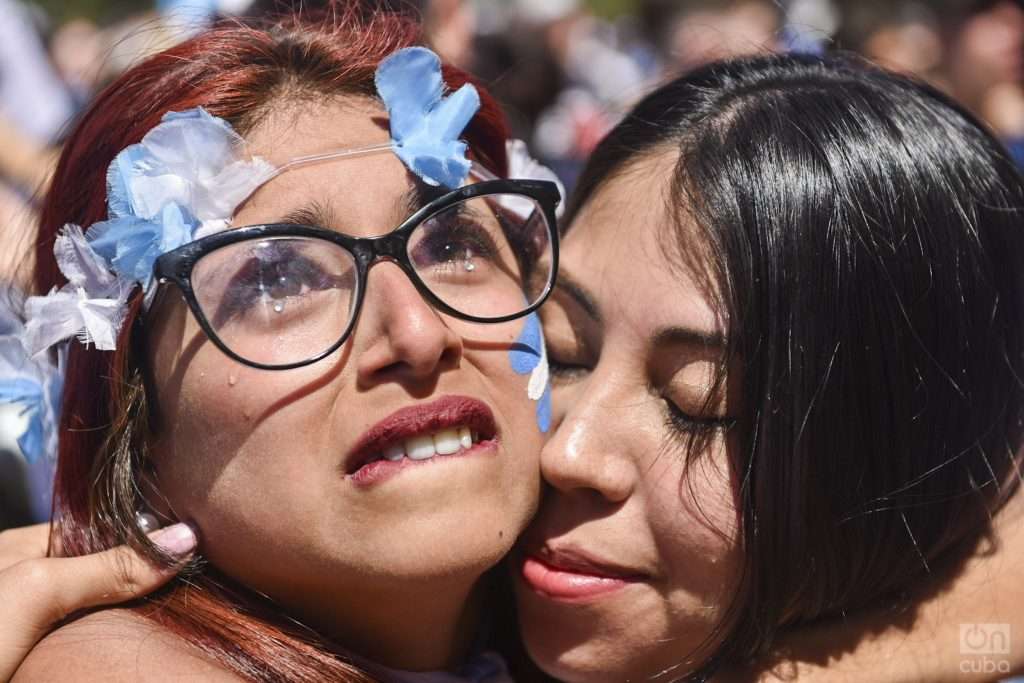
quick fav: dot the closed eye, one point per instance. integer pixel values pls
(684, 423)
(566, 371)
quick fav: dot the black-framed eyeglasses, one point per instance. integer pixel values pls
(285, 295)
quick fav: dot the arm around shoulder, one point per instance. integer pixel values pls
(115, 646)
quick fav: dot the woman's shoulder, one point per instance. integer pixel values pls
(115, 645)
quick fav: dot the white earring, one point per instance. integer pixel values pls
(146, 522)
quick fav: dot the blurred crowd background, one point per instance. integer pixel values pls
(565, 70)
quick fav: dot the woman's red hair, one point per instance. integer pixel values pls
(236, 71)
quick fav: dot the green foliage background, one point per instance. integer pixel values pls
(104, 11)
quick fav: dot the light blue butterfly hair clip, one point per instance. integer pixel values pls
(426, 125)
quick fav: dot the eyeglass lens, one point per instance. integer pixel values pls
(283, 300)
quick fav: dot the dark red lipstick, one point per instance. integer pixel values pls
(366, 465)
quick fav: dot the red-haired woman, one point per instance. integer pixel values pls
(352, 484)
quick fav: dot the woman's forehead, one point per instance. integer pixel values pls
(307, 126)
(366, 193)
(623, 248)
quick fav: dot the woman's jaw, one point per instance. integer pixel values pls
(279, 470)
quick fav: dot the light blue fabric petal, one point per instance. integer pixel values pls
(179, 227)
(526, 351)
(132, 245)
(451, 115)
(194, 114)
(33, 442)
(437, 165)
(410, 84)
(29, 394)
(192, 144)
(425, 126)
(187, 149)
(188, 171)
(119, 198)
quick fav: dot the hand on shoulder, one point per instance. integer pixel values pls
(37, 591)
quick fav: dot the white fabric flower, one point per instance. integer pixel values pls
(524, 167)
(191, 159)
(91, 306)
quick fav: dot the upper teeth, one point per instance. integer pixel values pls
(444, 442)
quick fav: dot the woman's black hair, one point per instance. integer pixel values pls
(865, 238)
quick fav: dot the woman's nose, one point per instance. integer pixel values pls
(399, 336)
(589, 453)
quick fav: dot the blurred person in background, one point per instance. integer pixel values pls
(32, 96)
(695, 32)
(984, 66)
(904, 36)
(972, 49)
(34, 108)
(564, 74)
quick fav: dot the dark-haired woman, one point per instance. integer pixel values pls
(787, 349)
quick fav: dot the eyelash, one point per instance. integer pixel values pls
(677, 420)
(683, 423)
(565, 372)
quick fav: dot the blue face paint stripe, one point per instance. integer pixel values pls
(528, 348)
(528, 357)
(544, 410)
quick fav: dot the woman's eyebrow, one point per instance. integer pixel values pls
(581, 295)
(687, 336)
(415, 198)
(314, 213)
(323, 215)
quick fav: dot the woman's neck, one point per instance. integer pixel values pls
(426, 627)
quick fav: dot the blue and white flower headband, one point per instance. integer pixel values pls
(184, 181)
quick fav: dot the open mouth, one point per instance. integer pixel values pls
(449, 427)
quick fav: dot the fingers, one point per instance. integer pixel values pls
(37, 593)
(112, 576)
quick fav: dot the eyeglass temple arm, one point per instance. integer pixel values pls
(331, 156)
(479, 170)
